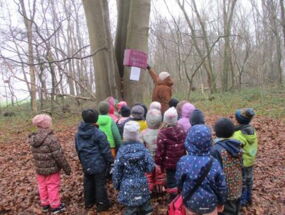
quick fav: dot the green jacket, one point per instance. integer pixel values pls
(109, 127)
(246, 134)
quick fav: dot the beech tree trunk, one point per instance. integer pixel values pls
(106, 70)
(137, 38)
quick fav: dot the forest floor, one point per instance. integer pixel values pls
(18, 188)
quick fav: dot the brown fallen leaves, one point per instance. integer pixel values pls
(18, 188)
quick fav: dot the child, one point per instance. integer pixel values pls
(212, 193)
(179, 107)
(149, 137)
(228, 152)
(125, 113)
(186, 113)
(49, 160)
(109, 127)
(112, 103)
(173, 102)
(137, 114)
(120, 105)
(246, 134)
(170, 148)
(155, 105)
(95, 156)
(131, 164)
(197, 118)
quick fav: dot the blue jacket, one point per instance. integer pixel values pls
(92, 148)
(213, 190)
(132, 162)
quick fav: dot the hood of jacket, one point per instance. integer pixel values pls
(37, 138)
(103, 120)
(166, 82)
(199, 140)
(232, 146)
(248, 132)
(86, 130)
(132, 155)
(187, 110)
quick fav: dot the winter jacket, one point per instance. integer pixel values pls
(149, 137)
(132, 162)
(162, 91)
(246, 134)
(170, 146)
(109, 127)
(92, 148)
(213, 190)
(186, 113)
(228, 153)
(47, 153)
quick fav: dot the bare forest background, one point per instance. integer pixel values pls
(52, 52)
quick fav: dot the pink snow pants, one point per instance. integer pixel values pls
(49, 187)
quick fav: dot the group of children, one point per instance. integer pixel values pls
(150, 151)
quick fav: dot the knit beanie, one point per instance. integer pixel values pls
(104, 107)
(244, 115)
(173, 102)
(224, 128)
(170, 116)
(137, 112)
(197, 117)
(153, 118)
(125, 111)
(42, 121)
(90, 116)
(163, 75)
(131, 131)
(155, 105)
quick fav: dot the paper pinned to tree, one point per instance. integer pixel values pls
(135, 74)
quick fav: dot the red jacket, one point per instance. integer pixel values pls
(170, 146)
(162, 91)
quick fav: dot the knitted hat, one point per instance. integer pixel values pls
(125, 111)
(170, 116)
(137, 112)
(224, 128)
(153, 118)
(155, 105)
(42, 121)
(131, 131)
(89, 116)
(244, 115)
(163, 75)
(197, 117)
(173, 102)
(104, 107)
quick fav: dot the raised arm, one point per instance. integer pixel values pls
(153, 74)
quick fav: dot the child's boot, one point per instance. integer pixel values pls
(59, 209)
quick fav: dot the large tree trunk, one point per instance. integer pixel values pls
(29, 27)
(137, 38)
(106, 70)
(121, 34)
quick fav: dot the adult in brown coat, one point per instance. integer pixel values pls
(162, 91)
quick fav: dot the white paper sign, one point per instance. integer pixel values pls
(135, 74)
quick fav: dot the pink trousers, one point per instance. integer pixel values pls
(49, 187)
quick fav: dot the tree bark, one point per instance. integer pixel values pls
(137, 38)
(106, 70)
(29, 27)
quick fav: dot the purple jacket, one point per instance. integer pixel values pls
(186, 113)
(170, 146)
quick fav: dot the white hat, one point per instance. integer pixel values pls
(155, 106)
(171, 116)
(131, 131)
(153, 118)
(163, 75)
